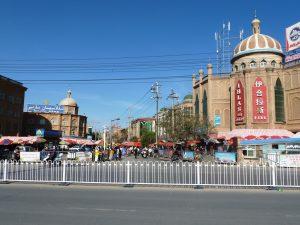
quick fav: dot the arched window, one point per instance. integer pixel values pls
(252, 64)
(273, 63)
(279, 102)
(243, 66)
(263, 63)
(204, 106)
(197, 106)
(236, 68)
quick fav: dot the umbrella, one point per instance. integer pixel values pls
(250, 137)
(275, 137)
(64, 143)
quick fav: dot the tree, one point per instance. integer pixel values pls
(187, 126)
(147, 138)
(134, 139)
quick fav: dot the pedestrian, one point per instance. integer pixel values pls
(135, 152)
(120, 153)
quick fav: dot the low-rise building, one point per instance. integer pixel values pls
(65, 119)
(137, 125)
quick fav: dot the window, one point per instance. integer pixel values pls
(236, 68)
(204, 105)
(42, 121)
(243, 66)
(249, 152)
(2, 95)
(252, 64)
(11, 99)
(263, 63)
(273, 63)
(197, 106)
(279, 102)
(64, 122)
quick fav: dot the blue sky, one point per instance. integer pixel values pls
(106, 39)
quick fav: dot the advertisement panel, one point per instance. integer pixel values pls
(259, 101)
(292, 36)
(239, 103)
(45, 108)
(217, 120)
(225, 157)
(30, 156)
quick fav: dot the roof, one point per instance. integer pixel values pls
(68, 101)
(143, 119)
(271, 141)
(12, 81)
(257, 43)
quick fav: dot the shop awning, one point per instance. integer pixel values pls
(271, 141)
(258, 133)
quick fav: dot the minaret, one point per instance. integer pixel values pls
(256, 26)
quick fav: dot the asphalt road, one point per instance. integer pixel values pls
(54, 205)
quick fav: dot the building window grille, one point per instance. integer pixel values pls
(279, 102)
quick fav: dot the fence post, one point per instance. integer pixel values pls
(5, 171)
(128, 172)
(198, 173)
(64, 171)
(273, 175)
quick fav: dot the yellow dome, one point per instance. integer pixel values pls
(68, 101)
(257, 43)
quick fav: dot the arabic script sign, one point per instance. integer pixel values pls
(45, 108)
(239, 103)
(259, 101)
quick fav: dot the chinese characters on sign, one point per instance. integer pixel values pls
(259, 101)
(239, 103)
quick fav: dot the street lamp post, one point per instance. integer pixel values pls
(111, 130)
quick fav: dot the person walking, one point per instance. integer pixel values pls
(120, 154)
(135, 152)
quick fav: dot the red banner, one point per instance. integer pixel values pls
(259, 101)
(239, 103)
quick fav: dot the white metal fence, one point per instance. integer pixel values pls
(151, 173)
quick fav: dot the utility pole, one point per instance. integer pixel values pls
(156, 96)
(111, 130)
(104, 137)
(173, 96)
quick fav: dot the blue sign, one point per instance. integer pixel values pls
(217, 120)
(40, 132)
(225, 157)
(188, 155)
(45, 108)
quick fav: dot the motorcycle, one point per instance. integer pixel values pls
(144, 154)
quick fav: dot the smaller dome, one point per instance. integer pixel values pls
(68, 101)
(188, 98)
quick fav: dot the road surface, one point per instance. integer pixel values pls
(88, 205)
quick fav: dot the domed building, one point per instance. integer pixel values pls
(258, 93)
(67, 121)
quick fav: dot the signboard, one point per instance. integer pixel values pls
(239, 103)
(293, 147)
(45, 108)
(83, 156)
(259, 101)
(217, 120)
(225, 157)
(30, 156)
(292, 36)
(146, 125)
(40, 132)
(292, 160)
(188, 155)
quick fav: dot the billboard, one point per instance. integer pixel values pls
(225, 157)
(239, 103)
(45, 108)
(292, 36)
(217, 120)
(259, 101)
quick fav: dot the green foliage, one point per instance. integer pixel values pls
(147, 137)
(134, 138)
